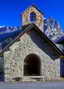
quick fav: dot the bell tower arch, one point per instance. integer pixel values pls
(33, 15)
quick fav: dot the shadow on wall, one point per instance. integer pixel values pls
(62, 68)
(43, 45)
(2, 78)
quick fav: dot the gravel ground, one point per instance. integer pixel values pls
(28, 85)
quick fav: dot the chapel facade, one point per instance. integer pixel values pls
(32, 56)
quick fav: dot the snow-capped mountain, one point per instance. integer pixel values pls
(52, 28)
(7, 29)
(54, 32)
(8, 34)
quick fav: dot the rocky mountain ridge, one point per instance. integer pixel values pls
(52, 29)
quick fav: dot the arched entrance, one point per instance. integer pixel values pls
(32, 65)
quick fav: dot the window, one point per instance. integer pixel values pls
(32, 17)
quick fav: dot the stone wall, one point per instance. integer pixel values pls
(30, 43)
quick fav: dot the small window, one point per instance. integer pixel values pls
(32, 17)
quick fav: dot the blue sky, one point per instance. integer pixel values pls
(10, 10)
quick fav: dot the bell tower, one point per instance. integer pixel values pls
(33, 15)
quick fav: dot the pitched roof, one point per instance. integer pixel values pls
(35, 8)
(28, 28)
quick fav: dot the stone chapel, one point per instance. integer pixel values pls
(32, 56)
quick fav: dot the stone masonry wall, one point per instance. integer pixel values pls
(14, 58)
